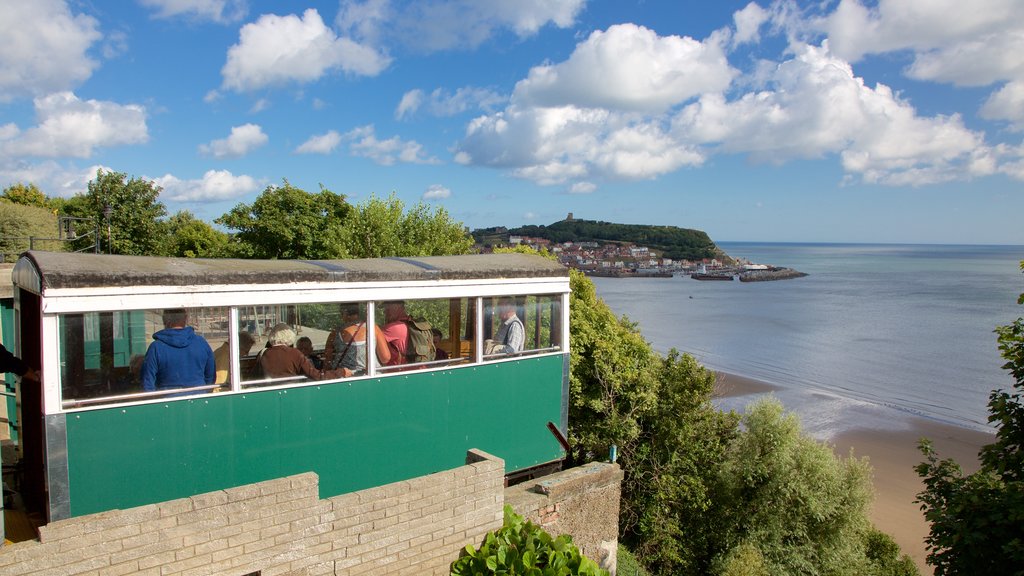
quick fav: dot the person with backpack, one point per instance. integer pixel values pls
(410, 341)
(396, 331)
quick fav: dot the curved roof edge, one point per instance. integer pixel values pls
(39, 271)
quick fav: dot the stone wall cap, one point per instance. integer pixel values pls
(580, 478)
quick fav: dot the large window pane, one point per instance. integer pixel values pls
(521, 325)
(446, 322)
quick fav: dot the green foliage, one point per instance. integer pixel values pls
(612, 378)
(674, 242)
(190, 237)
(26, 195)
(134, 226)
(670, 487)
(627, 564)
(658, 412)
(522, 548)
(286, 222)
(977, 519)
(22, 227)
(743, 560)
(789, 497)
(377, 228)
(886, 557)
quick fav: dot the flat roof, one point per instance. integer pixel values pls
(41, 271)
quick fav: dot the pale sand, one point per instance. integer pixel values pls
(893, 455)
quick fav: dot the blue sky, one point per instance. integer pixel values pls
(834, 121)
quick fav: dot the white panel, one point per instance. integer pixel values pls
(64, 301)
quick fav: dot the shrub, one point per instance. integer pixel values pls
(522, 548)
(628, 565)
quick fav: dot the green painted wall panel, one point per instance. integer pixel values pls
(354, 435)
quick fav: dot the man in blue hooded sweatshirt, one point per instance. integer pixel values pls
(178, 357)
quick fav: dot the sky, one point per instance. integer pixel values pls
(792, 121)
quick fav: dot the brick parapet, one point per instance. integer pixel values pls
(279, 528)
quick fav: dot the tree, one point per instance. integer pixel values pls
(658, 413)
(789, 497)
(26, 195)
(977, 520)
(377, 228)
(286, 222)
(134, 225)
(190, 237)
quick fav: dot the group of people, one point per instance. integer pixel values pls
(180, 358)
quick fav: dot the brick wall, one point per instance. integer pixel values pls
(581, 501)
(280, 527)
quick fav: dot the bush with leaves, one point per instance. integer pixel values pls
(787, 502)
(379, 227)
(658, 412)
(977, 520)
(521, 548)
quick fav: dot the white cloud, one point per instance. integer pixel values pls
(600, 113)
(964, 43)
(44, 48)
(815, 106)
(748, 23)
(277, 50)
(213, 186)
(322, 144)
(72, 127)
(411, 102)
(559, 145)
(53, 178)
(444, 103)
(433, 25)
(243, 139)
(582, 188)
(1007, 103)
(629, 67)
(214, 10)
(259, 106)
(363, 142)
(436, 192)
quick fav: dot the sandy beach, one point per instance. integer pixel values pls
(892, 451)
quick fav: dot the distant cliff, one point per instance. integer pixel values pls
(671, 241)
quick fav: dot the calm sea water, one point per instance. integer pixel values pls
(899, 327)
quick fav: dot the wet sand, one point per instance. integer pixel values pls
(893, 454)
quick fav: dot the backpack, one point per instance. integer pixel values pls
(421, 341)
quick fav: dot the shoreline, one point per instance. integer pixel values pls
(890, 444)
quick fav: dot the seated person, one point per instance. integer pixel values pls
(305, 345)
(221, 355)
(511, 335)
(439, 353)
(131, 381)
(281, 360)
(346, 345)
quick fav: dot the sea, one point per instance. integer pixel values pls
(874, 333)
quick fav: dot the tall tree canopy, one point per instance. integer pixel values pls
(289, 223)
(977, 520)
(135, 223)
(189, 237)
(377, 228)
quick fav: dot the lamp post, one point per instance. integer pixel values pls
(107, 211)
